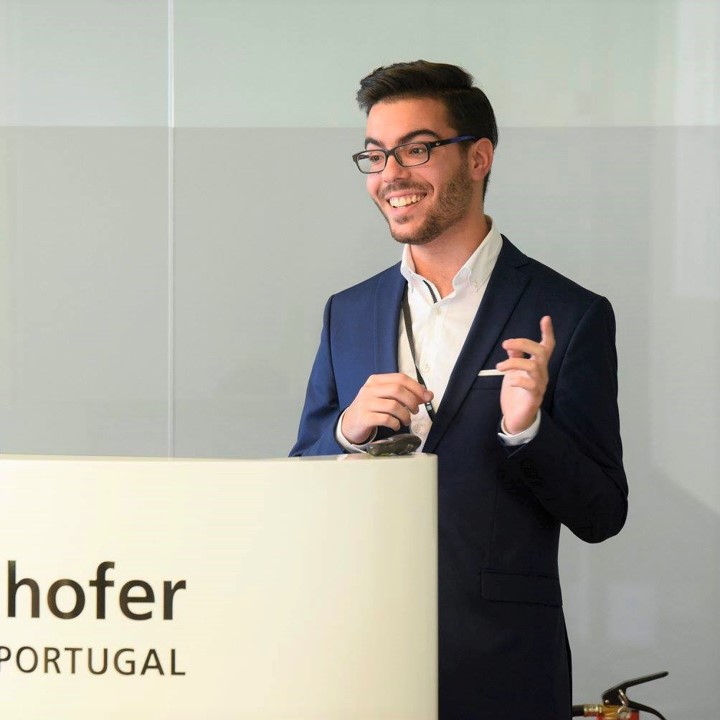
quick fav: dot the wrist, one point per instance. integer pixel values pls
(349, 434)
(511, 429)
(365, 440)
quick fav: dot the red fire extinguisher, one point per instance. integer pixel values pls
(616, 705)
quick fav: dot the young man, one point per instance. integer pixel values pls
(504, 368)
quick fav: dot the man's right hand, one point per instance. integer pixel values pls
(388, 400)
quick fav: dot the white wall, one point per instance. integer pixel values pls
(177, 200)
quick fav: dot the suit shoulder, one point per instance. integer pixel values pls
(553, 284)
(549, 288)
(558, 282)
(368, 287)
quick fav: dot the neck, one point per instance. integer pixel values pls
(440, 260)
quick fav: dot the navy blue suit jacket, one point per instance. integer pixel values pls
(502, 644)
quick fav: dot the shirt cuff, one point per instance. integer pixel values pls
(345, 444)
(522, 437)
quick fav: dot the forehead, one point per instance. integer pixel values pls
(391, 122)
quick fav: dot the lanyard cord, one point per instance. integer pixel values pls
(411, 341)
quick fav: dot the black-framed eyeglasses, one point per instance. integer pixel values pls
(407, 154)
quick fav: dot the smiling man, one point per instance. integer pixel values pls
(502, 367)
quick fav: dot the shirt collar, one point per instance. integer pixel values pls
(476, 269)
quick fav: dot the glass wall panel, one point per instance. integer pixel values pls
(83, 227)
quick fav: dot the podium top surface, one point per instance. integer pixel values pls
(360, 457)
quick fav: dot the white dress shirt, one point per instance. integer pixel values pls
(440, 327)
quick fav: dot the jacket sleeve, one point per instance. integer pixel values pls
(574, 464)
(316, 435)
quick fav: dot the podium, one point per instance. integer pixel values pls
(189, 589)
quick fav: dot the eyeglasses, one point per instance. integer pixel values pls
(407, 154)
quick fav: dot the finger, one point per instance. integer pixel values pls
(547, 333)
(411, 393)
(393, 384)
(394, 392)
(524, 364)
(392, 408)
(385, 420)
(398, 378)
(523, 345)
(521, 380)
(360, 424)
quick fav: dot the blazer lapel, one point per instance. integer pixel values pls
(505, 287)
(388, 299)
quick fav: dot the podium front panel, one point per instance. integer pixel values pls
(298, 588)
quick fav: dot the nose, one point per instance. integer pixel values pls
(393, 169)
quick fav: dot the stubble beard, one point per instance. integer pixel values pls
(452, 206)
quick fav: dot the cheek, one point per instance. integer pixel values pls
(425, 182)
(373, 187)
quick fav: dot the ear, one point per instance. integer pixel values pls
(480, 158)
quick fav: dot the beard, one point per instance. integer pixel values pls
(452, 206)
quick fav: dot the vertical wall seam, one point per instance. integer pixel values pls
(171, 235)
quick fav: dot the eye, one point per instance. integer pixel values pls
(416, 151)
(374, 157)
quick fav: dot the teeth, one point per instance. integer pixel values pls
(405, 200)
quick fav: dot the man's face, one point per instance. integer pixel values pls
(420, 203)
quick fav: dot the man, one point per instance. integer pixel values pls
(504, 368)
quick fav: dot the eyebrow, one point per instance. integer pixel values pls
(409, 137)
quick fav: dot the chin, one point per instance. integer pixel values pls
(403, 236)
(421, 236)
(411, 240)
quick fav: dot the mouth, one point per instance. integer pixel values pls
(401, 201)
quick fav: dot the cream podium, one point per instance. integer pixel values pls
(189, 589)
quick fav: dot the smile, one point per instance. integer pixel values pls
(405, 200)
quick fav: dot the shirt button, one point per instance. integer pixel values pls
(425, 367)
(415, 427)
(436, 311)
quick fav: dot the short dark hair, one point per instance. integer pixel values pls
(467, 106)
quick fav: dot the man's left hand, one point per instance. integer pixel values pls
(526, 377)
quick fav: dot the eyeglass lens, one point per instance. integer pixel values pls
(407, 155)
